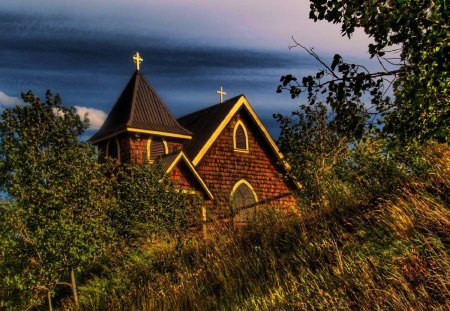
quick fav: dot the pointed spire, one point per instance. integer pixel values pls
(139, 108)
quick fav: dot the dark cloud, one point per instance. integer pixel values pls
(50, 45)
(90, 67)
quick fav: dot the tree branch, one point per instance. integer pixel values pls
(369, 75)
(313, 54)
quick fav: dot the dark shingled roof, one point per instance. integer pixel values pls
(166, 161)
(203, 123)
(140, 107)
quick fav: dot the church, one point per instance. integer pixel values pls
(222, 154)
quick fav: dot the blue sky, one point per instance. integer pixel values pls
(83, 49)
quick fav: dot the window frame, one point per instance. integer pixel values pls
(149, 142)
(117, 146)
(255, 197)
(238, 124)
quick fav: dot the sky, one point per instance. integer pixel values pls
(82, 49)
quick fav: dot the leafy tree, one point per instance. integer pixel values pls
(313, 146)
(66, 209)
(57, 221)
(412, 43)
(148, 203)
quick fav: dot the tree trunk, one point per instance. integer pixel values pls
(49, 297)
(74, 288)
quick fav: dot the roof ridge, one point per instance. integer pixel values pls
(195, 122)
(164, 106)
(233, 99)
(133, 98)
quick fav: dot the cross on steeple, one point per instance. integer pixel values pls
(138, 60)
(221, 92)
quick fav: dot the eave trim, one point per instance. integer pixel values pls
(98, 140)
(158, 133)
(181, 155)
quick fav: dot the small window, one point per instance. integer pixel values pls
(113, 149)
(240, 137)
(156, 148)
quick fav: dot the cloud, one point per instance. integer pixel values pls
(96, 117)
(8, 101)
(246, 24)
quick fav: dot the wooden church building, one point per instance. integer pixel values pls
(222, 153)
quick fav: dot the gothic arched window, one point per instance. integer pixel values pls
(240, 137)
(242, 197)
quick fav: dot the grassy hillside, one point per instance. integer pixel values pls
(376, 240)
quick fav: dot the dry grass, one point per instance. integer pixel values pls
(350, 254)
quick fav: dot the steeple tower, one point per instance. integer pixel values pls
(140, 126)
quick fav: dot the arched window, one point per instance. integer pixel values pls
(156, 147)
(113, 148)
(242, 196)
(240, 137)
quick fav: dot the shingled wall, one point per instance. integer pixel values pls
(133, 148)
(183, 179)
(222, 167)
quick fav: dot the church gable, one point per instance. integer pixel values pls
(208, 124)
(241, 152)
(183, 174)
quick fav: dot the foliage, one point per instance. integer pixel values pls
(312, 146)
(412, 44)
(67, 211)
(57, 219)
(327, 162)
(148, 203)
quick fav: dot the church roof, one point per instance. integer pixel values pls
(140, 109)
(203, 123)
(165, 162)
(208, 123)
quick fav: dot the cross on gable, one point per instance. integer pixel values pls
(221, 92)
(138, 60)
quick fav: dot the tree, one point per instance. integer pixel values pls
(412, 44)
(313, 146)
(148, 203)
(57, 221)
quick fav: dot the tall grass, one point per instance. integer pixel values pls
(372, 244)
